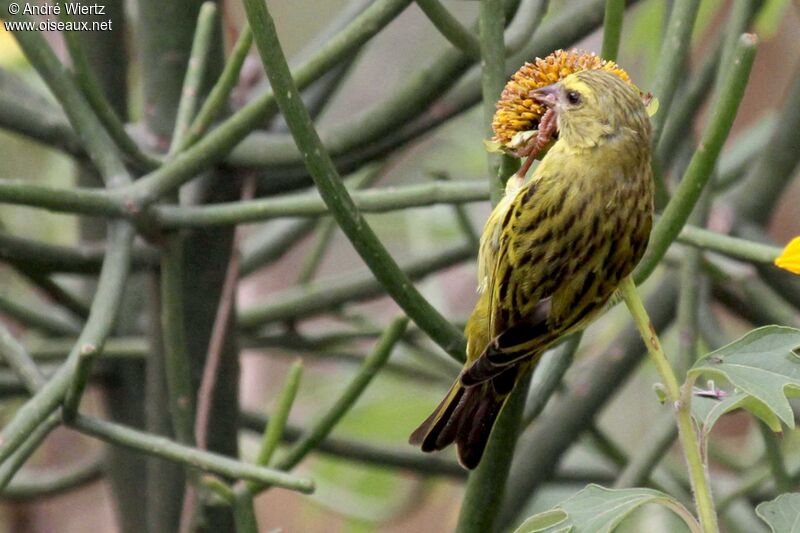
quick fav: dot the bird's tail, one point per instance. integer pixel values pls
(466, 416)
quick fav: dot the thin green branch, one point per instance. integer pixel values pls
(612, 29)
(265, 246)
(328, 182)
(311, 205)
(325, 294)
(672, 58)
(95, 139)
(26, 112)
(195, 70)
(491, 22)
(103, 314)
(645, 458)
(392, 457)
(403, 117)
(776, 164)
(215, 145)
(81, 200)
(680, 399)
(174, 328)
(320, 430)
(326, 229)
(547, 376)
(57, 292)
(277, 422)
(217, 99)
(524, 25)
(702, 163)
(10, 466)
(687, 107)
(52, 482)
(190, 457)
(734, 247)
(46, 321)
(450, 28)
(17, 358)
(30, 255)
(93, 92)
(744, 149)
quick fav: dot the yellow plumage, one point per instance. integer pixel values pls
(553, 251)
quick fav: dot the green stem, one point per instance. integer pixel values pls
(681, 401)
(491, 23)
(19, 360)
(46, 483)
(195, 70)
(672, 58)
(450, 27)
(612, 28)
(327, 293)
(547, 376)
(47, 322)
(96, 98)
(190, 457)
(218, 96)
(329, 183)
(38, 256)
(176, 356)
(311, 205)
(95, 139)
(280, 416)
(265, 246)
(526, 22)
(11, 465)
(372, 364)
(365, 453)
(702, 163)
(80, 200)
(645, 458)
(103, 314)
(734, 247)
(215, 145)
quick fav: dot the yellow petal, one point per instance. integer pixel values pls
(790, 257)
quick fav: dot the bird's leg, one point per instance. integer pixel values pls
(547, 127)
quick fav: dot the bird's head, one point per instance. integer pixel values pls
(595, 108)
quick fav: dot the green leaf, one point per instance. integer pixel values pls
(706, 411)
(782, 514)
(764, 364)
(542, 521)
(596, 509)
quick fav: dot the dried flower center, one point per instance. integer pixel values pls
(517, 112)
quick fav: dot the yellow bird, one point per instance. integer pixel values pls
(553, 252)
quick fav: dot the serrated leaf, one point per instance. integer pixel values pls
(781, 514)
(706, 411)
(597, 509)
(762, 364)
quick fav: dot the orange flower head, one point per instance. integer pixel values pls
(517, 113)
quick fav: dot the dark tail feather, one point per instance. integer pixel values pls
(477, 422)
(428, 434)
(466, 416)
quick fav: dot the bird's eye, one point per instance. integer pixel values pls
(573, 97)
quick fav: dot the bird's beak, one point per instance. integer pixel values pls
(546, 95)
